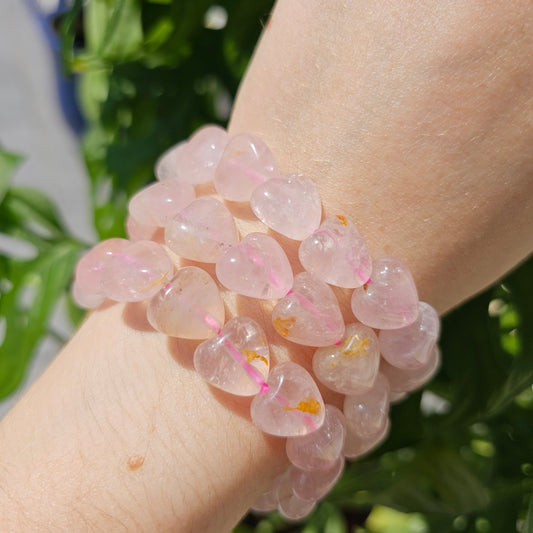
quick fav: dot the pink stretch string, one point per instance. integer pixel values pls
(249, 369)
(255, 175)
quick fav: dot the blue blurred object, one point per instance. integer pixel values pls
(66, 87)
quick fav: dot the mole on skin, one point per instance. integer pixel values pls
(135, 461)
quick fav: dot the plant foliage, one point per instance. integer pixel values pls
(460, 456)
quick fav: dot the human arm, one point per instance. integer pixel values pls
(420, 106)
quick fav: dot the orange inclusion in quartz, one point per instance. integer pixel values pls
(157, 282)
(252, 356)
(353, 349)
(343, 220)
(307, 405)
(283, 325)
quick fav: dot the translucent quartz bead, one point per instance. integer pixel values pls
(410, 347)
(166, 167)
(87, 300)
(245, 163)
(197, 161)
(158, 203)
(389, 300)
(337, 254)
(237, 360)
(309, 314)
(136, 232)
(189, 306)
(313, 485)
(202, 231)
(268, 501)
(356, 446)
(289, 205)
(352, 366)
(137, 272)
(366, 414)
(320, 449)
(256, 267)
(407, 380)
(291, 406)
(291, 506)
(87, 289)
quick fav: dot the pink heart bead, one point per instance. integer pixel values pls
(352, 366)
(268, 501)
(291, 506)
(87, 300)
(202, 231)
(309, 314)
(166, 167)
(137, 232)
(90, 267)
(245, 163)
(389, 300)
(320, 449)
(136, 272)
(237, 360)
(337, 254)
(156, 204)
(289, 205)
(198, 159)
(407, 380)
(313, 485)
(411, 347)
(256, 267)
(188, 307)
(366, 414)
(356, 446)
(291, 406)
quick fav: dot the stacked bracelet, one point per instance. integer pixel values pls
(388, 350)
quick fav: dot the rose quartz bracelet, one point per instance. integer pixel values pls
(388, 350)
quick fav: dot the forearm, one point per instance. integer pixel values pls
(412, 123)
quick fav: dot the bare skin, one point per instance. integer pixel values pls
(416, 121)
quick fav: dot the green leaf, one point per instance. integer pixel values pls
(33, 210)
(27, 306)
(114, 29)
(527, 526)
(8, 164)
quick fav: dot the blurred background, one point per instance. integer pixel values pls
(90, 94)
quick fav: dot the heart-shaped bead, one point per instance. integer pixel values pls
(166, 167)
(202, 231)
(197, 161)
(246, 162)
(237, 360)
(157, 203)
(289, 205)
(309, 314)
(136, 272)
(90, 267)
(256, 267)
(337, 254)
(320, 449)
(291, 506)
(410, 347)
(315, 484)
(352, 366)
(355, 445)
(189, 306)
(407, 380)
(367, 414)
(389, 300)
(292, 404)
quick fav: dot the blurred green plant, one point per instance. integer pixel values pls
(460, 455)
(37, 257)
